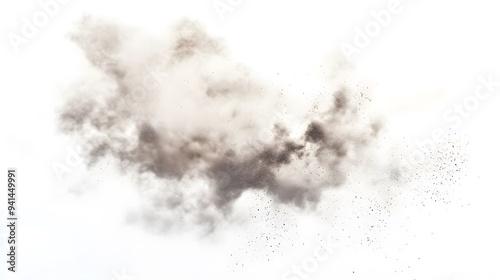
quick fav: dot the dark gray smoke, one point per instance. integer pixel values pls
(179, 108)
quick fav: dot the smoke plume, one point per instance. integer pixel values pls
(180, 109)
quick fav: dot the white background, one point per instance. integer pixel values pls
(429, 57)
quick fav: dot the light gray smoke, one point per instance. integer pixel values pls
(179, 108)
